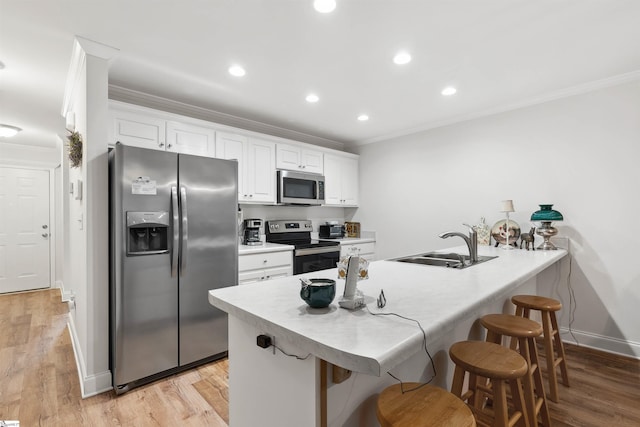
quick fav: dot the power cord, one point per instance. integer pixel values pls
(573, 305)
(291, 355)
(424, 344)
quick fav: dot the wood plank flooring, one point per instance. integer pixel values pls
(39, 381)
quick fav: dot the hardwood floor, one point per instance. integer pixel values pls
(39, 381)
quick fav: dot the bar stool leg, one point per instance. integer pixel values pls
(548, 347)
(533, 383)
(562, 360)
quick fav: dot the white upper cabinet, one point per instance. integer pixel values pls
(138, 130)
(299, 159)
(256, 166)
(190, 139)
(261, 171)
(341, 180)
(147, 131)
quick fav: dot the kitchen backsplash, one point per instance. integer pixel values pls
(317, 214)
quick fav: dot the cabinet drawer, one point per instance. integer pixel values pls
(264, 260)
(244, 278)
(359, 248)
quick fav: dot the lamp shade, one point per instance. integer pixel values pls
(546, 214)
(506, 206)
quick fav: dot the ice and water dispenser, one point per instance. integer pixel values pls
(147, 233)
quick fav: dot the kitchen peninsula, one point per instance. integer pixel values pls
(269, 387)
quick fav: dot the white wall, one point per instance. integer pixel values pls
(579, 153)
(86, 258)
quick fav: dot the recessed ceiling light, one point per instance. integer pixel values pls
(236, 70)
(448, 91)
(7, 131)
(324, 6)
(363, 117)
(312, 97)
(402, 58)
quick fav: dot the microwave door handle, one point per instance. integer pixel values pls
(185, 231)
(176, 231)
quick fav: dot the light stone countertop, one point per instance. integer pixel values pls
(263, 248)
(437, 297)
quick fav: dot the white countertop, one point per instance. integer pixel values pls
(262, 248)
(435, 296)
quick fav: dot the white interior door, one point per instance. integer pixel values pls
(24, 229)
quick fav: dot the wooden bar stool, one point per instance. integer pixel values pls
(554, 350)
(523, 333)
(426, 406)
(504, 367)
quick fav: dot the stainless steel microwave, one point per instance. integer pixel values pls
(298, 188)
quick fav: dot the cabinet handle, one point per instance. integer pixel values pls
(161, 144)
(45, 235)
(264, 261)
(168, 145)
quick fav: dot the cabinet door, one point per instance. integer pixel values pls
(138, 130)
(261, 171)
(288, 157)
(341, 180)
(312, 161)
(190, 139)
(332, 180)
(349, 176)
(234, 147)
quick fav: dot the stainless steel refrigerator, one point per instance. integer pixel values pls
(173, 220)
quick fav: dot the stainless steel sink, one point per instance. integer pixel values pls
(450, 260)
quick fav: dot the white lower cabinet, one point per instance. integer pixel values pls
(257, 267)
(364, 250)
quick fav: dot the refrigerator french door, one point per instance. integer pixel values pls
(173, 221)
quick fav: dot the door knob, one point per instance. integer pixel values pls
(45, 226)
(45, 235)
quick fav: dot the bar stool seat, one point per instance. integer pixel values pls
(504, 367)
(426, 406)
(554, 349)
(523, 333)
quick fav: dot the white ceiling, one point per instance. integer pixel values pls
(498, 53)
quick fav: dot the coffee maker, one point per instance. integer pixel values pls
(251, 232)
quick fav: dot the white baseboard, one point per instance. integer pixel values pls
(601, 342)
(90, 385)
(67, 295)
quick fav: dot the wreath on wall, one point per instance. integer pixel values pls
(75, 149)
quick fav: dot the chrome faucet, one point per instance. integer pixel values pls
(471, 240)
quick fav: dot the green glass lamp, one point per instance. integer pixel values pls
(545, 216)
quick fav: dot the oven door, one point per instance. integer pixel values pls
(295, 188)
(315, 259)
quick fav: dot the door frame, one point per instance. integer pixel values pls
(53, 229)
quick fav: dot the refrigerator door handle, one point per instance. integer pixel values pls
(185, 231)
(176, 231)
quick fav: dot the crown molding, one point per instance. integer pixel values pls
(118, 93)
(548, 97)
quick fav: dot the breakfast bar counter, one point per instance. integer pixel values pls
(445, 302)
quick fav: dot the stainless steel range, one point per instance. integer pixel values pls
(309, 255)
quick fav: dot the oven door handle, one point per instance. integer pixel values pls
(314, 251)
